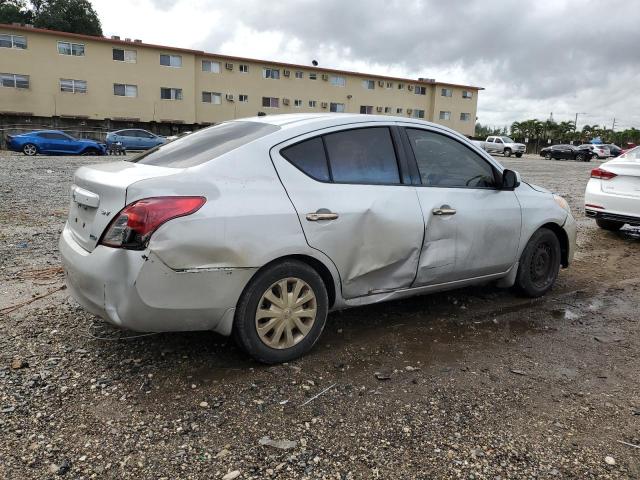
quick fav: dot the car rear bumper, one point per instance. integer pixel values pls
(136, 290)
(606, 206)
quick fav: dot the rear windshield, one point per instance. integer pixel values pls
(206, 144)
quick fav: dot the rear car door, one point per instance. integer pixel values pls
(472, 227)
(355, 204)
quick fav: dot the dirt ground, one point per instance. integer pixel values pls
(477, 383)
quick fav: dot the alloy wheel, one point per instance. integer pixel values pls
(30, 150)
(286, 313)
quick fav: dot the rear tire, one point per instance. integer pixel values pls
(610, 225)
(507, 152)
(30, 149)
(274, 327)
(539, 264)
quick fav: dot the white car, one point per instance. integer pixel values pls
(612, 196)
(259, 227)
(599, 151)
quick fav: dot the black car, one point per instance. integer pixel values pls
(567, 152)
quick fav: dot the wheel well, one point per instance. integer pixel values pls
(563, 239)
(317, 265)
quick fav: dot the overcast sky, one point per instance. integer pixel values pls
(533, 57)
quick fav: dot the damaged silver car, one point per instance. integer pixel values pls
(257, 228)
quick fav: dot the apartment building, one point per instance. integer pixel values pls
(56, 75)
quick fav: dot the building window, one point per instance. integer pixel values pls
(420, 90)
(368, 109)
(387, 109)
(312, 104)
(127, 56)
(336, 107)
(446, 92)
(211, 67)
(369, 84)
(243, 98)
(13, 80)
(297, 103)
(122, 90)
(389, 85)
(272, 73)
(270, 102)
(418, 113)
(401, 86)
(467, 94)
(465, 117)
(171, 60)
(299, 74)
(398, 110)
(13, 41)
(445, 115)
(313, 76)
(212, 97)
(170, 93)
(73, 86)
(337, 81)
(74, 49)
(244, 68)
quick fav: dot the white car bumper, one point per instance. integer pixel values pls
(136, 290)
(599, 204)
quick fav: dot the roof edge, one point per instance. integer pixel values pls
(227, 57)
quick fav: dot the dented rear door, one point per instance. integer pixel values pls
(347, 189)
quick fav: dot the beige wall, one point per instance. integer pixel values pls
(45, 66)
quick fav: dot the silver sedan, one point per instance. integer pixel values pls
(257, 228)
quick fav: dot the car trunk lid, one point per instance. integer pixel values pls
(99, 192)
(627, 179)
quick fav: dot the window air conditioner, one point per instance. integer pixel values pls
(228, 66)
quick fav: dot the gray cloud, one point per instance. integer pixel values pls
(533, 57)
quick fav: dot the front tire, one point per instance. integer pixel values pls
(539, 264)
(281, 313)
(581, 157)
(610, 225)
(547, 156)
(30, 149)
(90, 152)
(518, 155)
(507, 152)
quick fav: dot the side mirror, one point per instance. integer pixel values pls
(510, 180)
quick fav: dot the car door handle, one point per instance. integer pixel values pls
(444, 210)
(321, 215)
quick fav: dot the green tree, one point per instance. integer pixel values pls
(74, 16)
(14, 11)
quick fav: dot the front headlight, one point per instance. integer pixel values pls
(561, 202)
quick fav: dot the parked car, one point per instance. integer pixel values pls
(612, 196)
(567, 152)
(52, 142)
(259, 227)
(503, 145)
(135, 139)
(599, 150)
(614, 150)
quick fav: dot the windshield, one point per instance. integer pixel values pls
(507, 140)
(204, 145)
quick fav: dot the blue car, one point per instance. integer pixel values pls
(53, 142)
(134, 139)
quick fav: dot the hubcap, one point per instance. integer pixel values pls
(30, 149)
(286, 313)
(542, 265)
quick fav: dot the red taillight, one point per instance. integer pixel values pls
(133, 226)
(602, 174)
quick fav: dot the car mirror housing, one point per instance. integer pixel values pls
(510, 180)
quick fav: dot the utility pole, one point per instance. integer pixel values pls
(613, 125)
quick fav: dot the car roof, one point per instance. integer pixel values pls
(126, 129)
(313, 121)
(47, 131)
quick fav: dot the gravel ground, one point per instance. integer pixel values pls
(476, 383)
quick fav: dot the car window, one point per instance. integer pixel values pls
(204, 145)
(125, 133)
(498, 140)
(444, 162)
(363, 155)
(309, 157)
(54, 136)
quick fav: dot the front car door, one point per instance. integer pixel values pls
(472, 226)
(355, 204)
